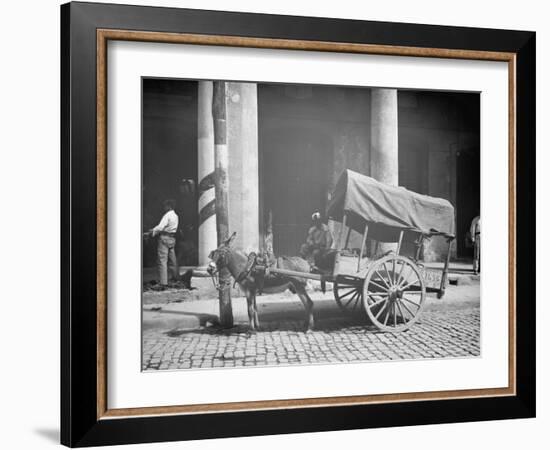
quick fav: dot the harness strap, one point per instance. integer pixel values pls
(250, 264)
(258, 265)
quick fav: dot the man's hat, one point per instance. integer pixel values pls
(316, 216)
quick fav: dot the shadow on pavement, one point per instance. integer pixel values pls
(204, 318)
(275, 325)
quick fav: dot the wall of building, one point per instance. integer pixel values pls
(169, 156)
(434, 128)
(329, 126)
(288, 144)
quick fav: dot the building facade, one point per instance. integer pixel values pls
(288, 144)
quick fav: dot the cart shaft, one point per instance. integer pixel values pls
(293, 273)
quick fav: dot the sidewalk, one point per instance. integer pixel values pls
(184, 310)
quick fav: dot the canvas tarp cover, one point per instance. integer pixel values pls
(378, 203)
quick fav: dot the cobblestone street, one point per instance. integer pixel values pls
(445, 329)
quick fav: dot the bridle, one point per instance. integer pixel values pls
(221, 262)
(214, 268)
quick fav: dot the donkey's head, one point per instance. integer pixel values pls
(219, 258)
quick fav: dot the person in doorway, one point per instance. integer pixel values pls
(475, 236)
(166, 254)
(318, 241)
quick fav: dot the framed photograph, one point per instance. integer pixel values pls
(272, 224)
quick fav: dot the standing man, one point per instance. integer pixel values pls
(318, 240)
(475, 230)
(166, 254)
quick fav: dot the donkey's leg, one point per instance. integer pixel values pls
(308, 305)
(250, 303)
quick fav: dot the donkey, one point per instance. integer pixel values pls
(237, 263)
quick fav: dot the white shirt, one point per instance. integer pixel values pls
(168, 223)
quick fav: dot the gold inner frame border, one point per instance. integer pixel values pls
(104, 35)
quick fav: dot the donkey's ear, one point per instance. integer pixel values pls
(230, 239)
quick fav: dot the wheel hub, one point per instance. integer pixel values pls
(394, 293)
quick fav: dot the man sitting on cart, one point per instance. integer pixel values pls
(318, 243)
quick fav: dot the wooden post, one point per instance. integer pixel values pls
(340, 245)
(418, 247)
(341, 241)
(347, 238)
(268, 240)
(400, 242)
(445, 271)
(363, 243)
(219, 115)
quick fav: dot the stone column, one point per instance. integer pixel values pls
(242, 130)
(383, 142)
(384, 145)
(207, 207)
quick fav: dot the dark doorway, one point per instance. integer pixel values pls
(169, 162)
(467, 198)
(295, 178)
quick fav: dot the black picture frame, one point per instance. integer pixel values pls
(80, 425)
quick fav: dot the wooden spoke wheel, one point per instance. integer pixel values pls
(348, 293)
(394, 293)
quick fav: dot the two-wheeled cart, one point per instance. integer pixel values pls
(377, 268)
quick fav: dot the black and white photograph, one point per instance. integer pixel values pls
(258, 225)
(296, 224)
